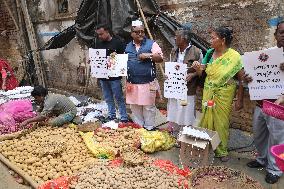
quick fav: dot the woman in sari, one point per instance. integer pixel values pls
(8, 80)
(223, 66)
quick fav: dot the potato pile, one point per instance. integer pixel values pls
(48, 153)
(133, 157)
(119, 139)
(139, 177)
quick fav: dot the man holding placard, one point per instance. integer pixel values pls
(111, 86)
(266, 81)
(181, 109)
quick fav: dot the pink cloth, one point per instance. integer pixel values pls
(141, 94)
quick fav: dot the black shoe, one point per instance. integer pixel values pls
(254, 164)
(271, 179)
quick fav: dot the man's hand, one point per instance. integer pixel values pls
(282, 67)
(23, 124)
(144, 56)
(190, 76)
(280, 100)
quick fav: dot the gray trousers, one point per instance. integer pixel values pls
(268, 131)
(144, 116)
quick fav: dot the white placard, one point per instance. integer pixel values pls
(117, 65)
(98, 61)
(264, 68)
(175, 85)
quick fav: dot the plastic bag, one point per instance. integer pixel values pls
(20, 110)
(101, 152)
(152, 141)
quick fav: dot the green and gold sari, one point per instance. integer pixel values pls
(219, 91)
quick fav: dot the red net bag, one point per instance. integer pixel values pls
(59, 183)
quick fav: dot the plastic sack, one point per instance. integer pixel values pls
(59, 183)
(99, 151)
(7, 123)
(152, 141)
(20, 110)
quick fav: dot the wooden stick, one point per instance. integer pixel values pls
(148, 30)
(19, 171)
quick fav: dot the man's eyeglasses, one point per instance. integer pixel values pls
(139, 32)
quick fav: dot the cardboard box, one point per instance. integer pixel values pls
(196, 152)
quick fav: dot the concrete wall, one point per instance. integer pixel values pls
(253, 23)
(60, 64)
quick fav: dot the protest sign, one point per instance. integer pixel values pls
(175, 84)
(264, 68)
(98, 61)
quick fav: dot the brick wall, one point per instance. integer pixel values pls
(9, 45)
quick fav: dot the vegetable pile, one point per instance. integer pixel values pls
(222, 177)
(139, 177)
(48, 153)
(119, 139)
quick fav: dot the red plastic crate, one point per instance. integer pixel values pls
(273, 110)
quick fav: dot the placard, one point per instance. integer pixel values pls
(117, 65)
(98, 62)
(103, 66)
(175, 84)
(264, 68)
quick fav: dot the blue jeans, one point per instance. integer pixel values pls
(111, 90)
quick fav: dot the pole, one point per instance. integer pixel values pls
(33, 43)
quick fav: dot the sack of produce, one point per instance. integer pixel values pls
(20, 110)
(100, 151)
(152, 141)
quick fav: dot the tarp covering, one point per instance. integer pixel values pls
(118, 14)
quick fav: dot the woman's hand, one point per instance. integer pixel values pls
(238, 105)
(198, 67)
(247, 78)
(280, 100)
